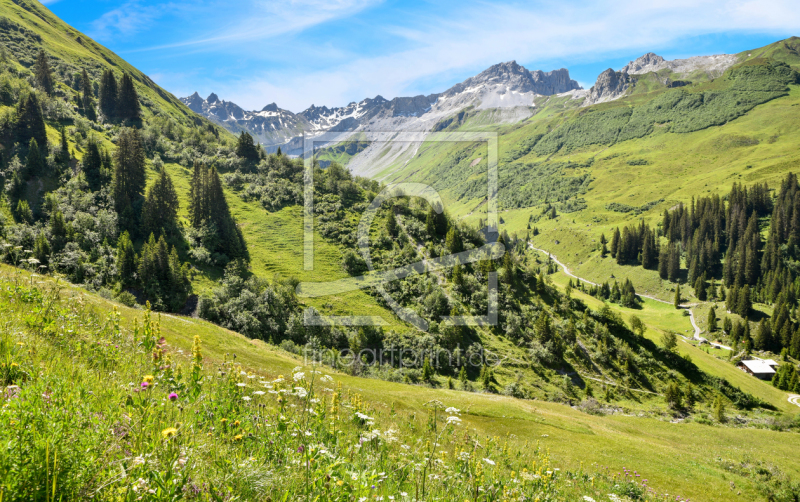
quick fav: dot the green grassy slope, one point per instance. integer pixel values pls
(665, 453)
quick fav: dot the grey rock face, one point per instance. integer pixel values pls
(519, 79)
(610, 85)
(644, 64)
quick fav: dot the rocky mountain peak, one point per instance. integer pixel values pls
(517, 78)
(212, 98)
(644, 64)
(272, 107)
(610, 85)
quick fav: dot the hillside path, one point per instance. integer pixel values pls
(688, 307)
(794, 399)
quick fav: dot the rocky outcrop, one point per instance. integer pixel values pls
(644, 64)
(712, 66)
(610, 85)
(518, 78)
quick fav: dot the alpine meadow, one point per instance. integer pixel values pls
(512, 289)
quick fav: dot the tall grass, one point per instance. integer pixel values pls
(90, 408)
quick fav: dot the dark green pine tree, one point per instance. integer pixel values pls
(35, 163)
(453, 241)
(128, 100)
(391, 223)
(88, 97)
(58, 231)
(164, 280)
(108, 95)
(763, 339)
(677, 301)
(208, 208)
(712, 320)
(700, 288)
(63, 152)
(129, 177)
(30, 122)
(126, 261)
(160, 209)
(197, 196)
(92, 165)
(42, 73)
(744, 304)
(674, 265)
(615, 242)
(246, 147)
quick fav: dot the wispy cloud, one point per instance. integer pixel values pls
(129, 19)
(264, 19)
(479, 35)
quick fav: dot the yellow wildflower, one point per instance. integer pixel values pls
(169, 432)
(149, 378)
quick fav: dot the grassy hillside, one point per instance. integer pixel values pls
(136, 426)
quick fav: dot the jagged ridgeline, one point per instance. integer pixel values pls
(84, 143)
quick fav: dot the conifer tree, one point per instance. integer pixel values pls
(246, 148)
(92, 165)
(391, 224)
(208, 207)
(719, 410)
(677, 302)
(128, 100)
(35, 163)
(712, 320)
(744, 304)
(108, 95)
(30, 122)
(58, 231)
(129, 177)
(63, 153)
(453, 241)
(42, 73)
(126, 260)
(615, 238)
(160, 208)
(88, 96)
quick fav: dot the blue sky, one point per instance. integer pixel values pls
(331, 52)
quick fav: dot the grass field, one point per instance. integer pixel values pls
(665, 453)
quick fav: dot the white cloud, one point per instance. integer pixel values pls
(266, 19)
(477, 36)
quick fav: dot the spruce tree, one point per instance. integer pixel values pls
(92, 165)
(453, 241)
(30, 122)
(42, 73)
(35, 163)
(677, 302)
(744, 303)
(700, 288)
(108, 95)
(712, 320)
(128, 100)
(160, 209)
(63, 153)
(126, 260)
(391, 224)
(246, 148)
(129, 176)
